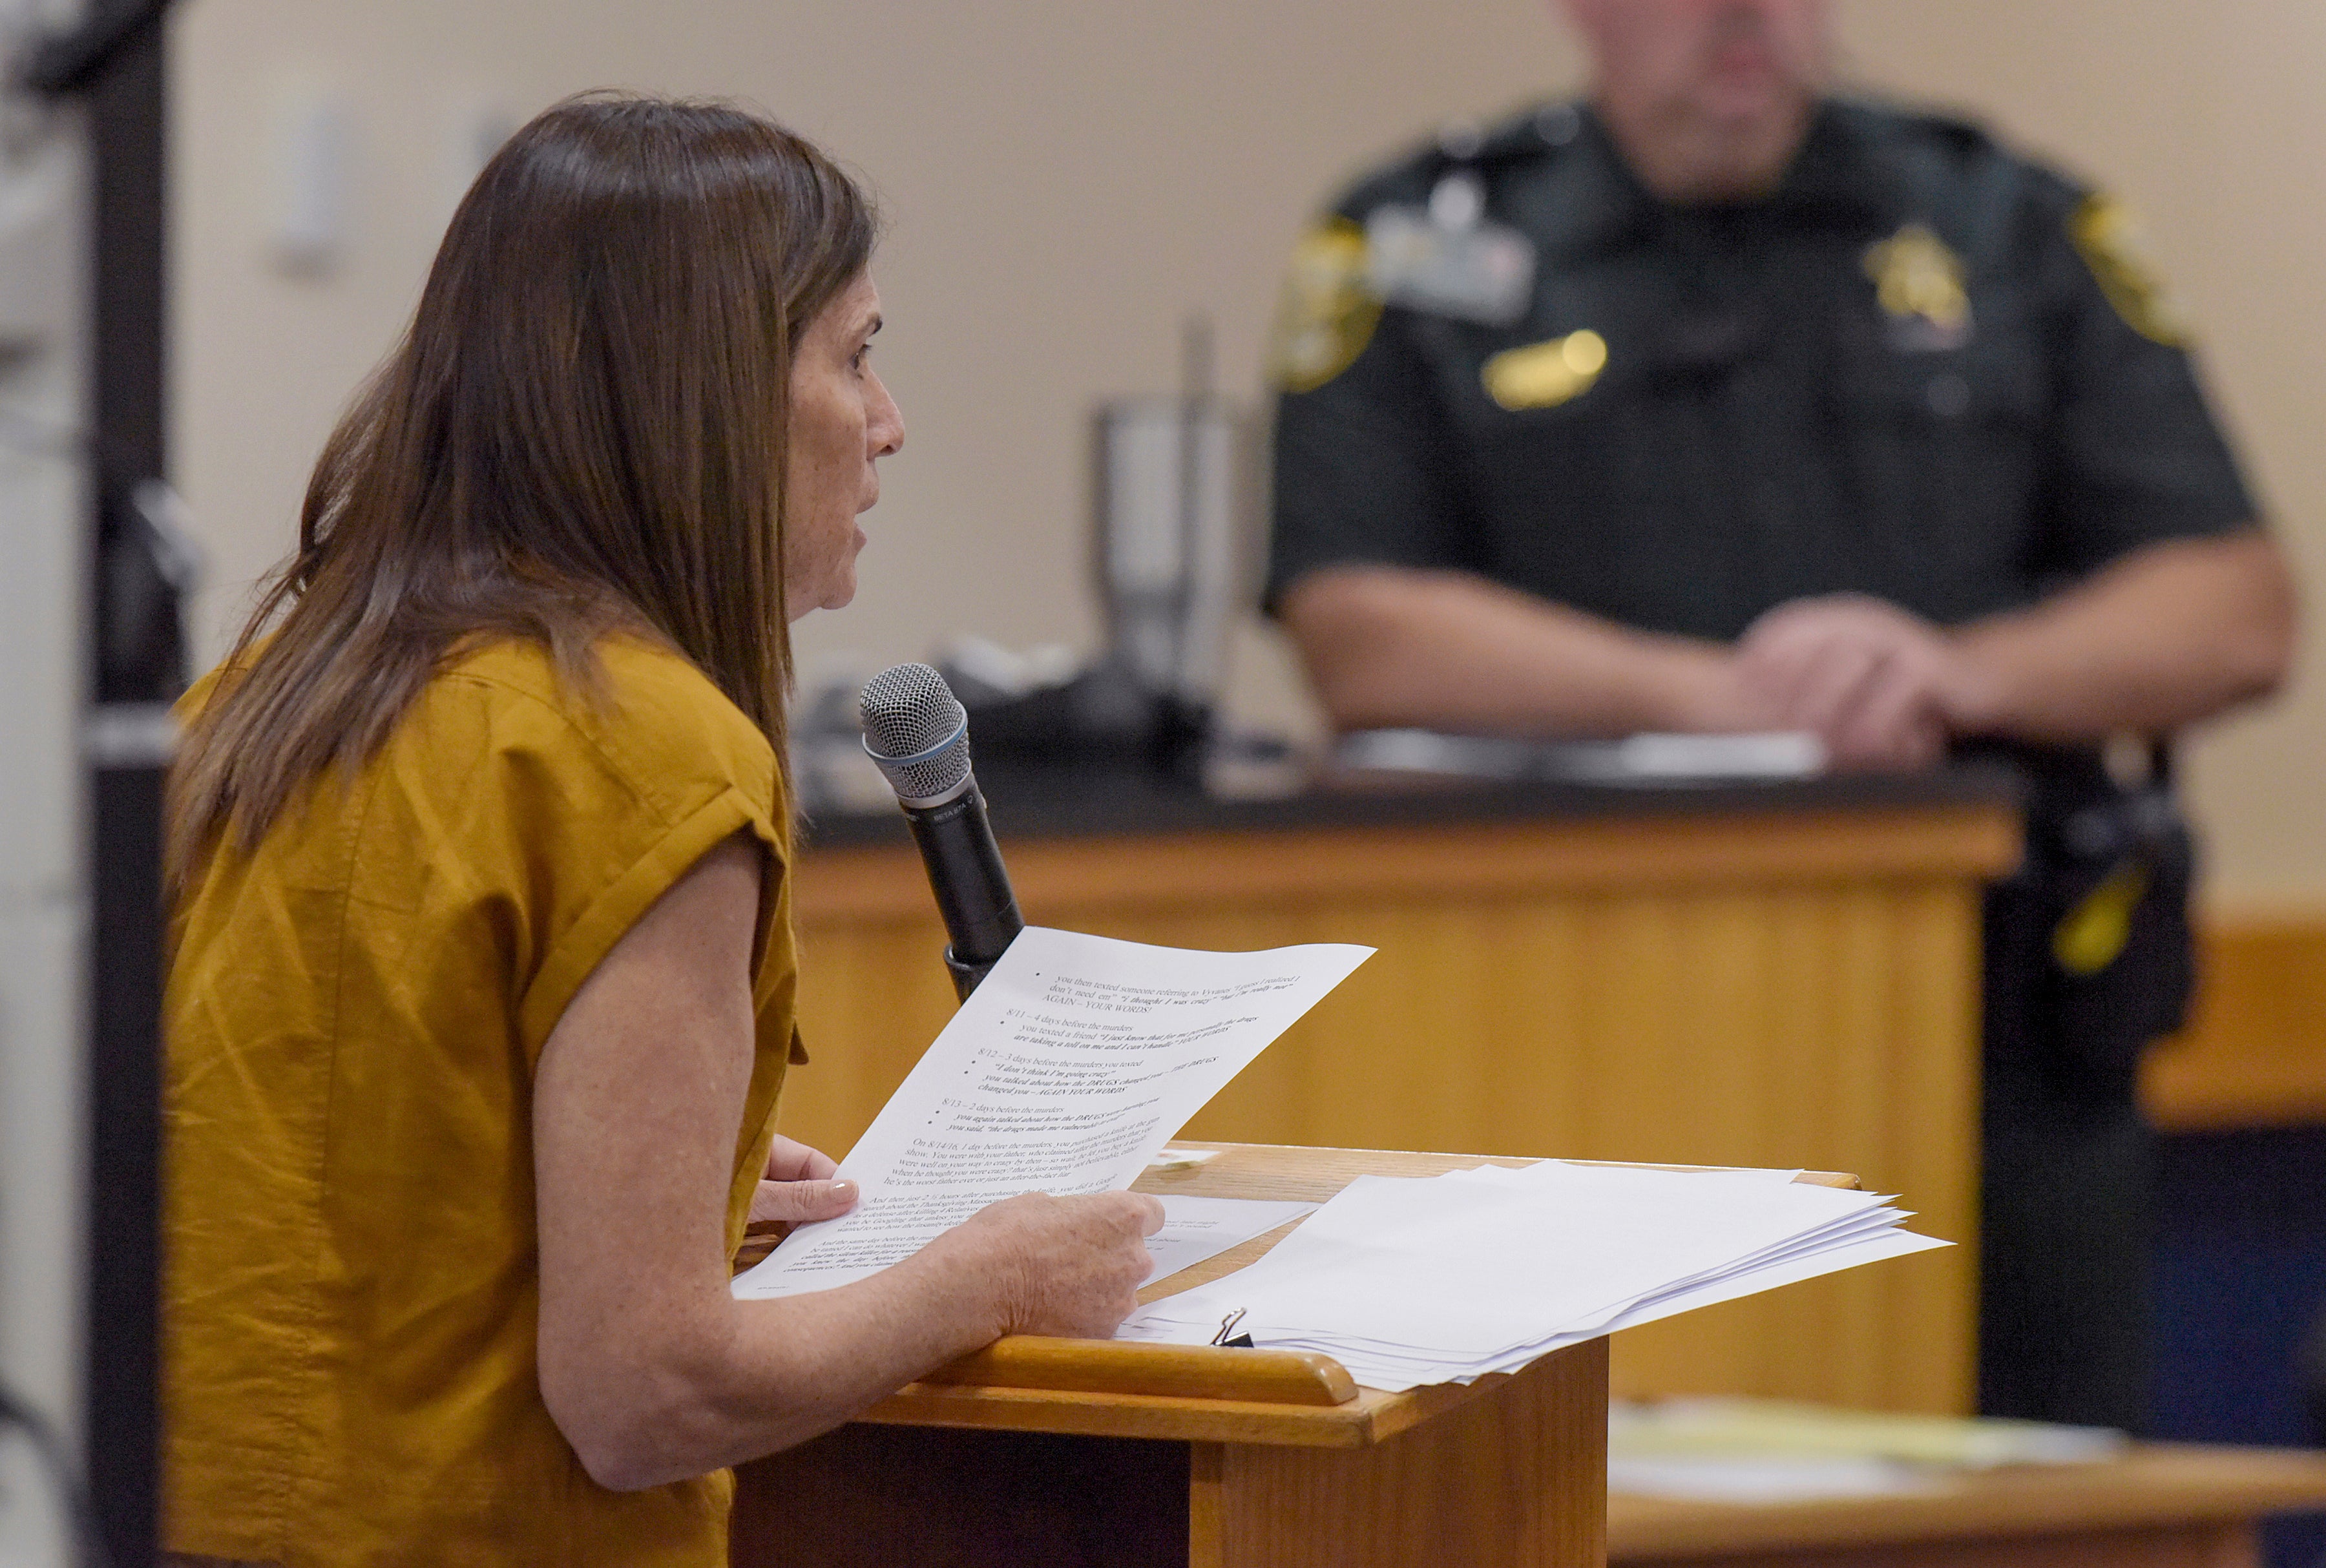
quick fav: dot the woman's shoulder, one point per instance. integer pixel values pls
(647, 714)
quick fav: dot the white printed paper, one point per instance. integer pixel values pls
(1075, 1062)
(1198, 1229)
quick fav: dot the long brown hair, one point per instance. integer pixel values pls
(583, 428)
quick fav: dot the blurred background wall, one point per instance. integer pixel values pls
(1067, 180)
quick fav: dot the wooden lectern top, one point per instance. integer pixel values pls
(1113, 1388)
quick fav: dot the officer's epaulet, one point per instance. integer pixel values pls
(1529, 134)
(1968, 148)
(1955, 173)
(1537, 132)
(1963, 137)
(1949, 137)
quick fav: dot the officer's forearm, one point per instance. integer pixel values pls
(1389, 646)
(2170, 635)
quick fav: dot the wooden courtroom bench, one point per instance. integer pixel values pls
(2161, 1506)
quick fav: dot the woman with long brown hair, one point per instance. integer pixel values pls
(483, 972)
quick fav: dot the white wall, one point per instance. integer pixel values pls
(1064, 181)
(1067, 180)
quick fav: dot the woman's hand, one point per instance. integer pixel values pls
(1070, 1266)
(800, 1185)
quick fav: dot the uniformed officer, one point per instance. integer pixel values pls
(1719, 403)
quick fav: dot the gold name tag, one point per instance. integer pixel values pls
(1545, 374)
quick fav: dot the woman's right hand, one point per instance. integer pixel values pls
(1069, 1267)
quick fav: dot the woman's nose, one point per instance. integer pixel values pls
(885, 430)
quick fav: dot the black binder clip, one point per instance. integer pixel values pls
(1227, 1327)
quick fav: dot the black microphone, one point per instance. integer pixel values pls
(917, 731)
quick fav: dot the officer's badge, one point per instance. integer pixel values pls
(2111, 240)
(1329, 310)
(1919, 284)
(1545, 374)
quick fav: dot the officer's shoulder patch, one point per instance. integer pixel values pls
(1329, 310)
(2110, 239)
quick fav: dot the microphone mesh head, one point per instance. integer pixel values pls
(916, 730)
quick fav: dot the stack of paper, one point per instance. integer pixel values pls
(1407, 1281)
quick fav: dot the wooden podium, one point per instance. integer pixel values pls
(1071, 1453)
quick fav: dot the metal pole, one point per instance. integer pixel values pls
(135, 670)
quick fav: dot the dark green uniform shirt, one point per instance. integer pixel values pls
(1924, 369)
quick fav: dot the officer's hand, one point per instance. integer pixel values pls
(1873, 682)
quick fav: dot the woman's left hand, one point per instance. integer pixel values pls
(800, 1185)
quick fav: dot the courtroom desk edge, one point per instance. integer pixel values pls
(1056, 803)
(2156, 1484)
(1235, 854)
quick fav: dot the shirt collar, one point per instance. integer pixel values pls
(1593, 203)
